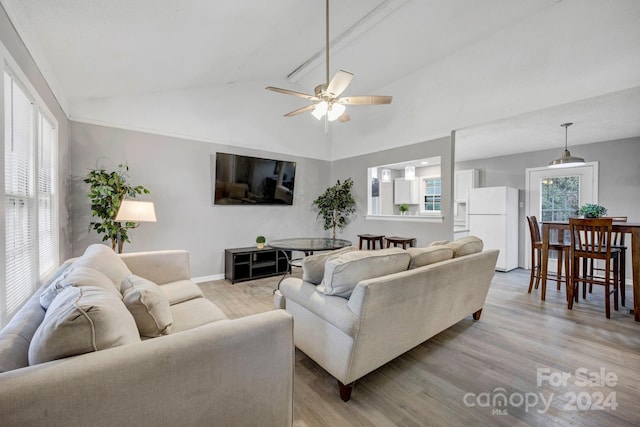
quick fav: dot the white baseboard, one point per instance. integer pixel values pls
(203, 279)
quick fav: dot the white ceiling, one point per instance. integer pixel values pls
(111, 48)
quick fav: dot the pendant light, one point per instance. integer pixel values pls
(567, 160)
(409, 172)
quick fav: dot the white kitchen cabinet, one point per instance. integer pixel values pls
(465, 180)
(406, 191)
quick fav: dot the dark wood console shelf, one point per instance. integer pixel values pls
(252, 263)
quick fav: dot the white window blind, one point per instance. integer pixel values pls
(46, 209)
(30, 140)
(19, 202)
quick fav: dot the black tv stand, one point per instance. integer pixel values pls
(251, 263)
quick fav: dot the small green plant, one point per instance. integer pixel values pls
(260, 239)
(106, 191)
(591, 210)
(336, 205)
(403, 208)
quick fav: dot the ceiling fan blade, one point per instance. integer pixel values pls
(292, 92)
(300, 110)
(366, 100)
(339, 82)
(344, 117)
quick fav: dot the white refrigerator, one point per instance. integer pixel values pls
(493, 217)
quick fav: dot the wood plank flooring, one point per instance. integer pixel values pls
(457, 377)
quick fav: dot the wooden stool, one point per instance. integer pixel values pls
(371, 238)
(404, 241)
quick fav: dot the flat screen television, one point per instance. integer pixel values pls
(245, 180)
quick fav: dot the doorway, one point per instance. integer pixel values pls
(556, 194)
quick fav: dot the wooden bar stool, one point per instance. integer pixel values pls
(404, 241)
(371, 238)
(591, 240)
(536, 259)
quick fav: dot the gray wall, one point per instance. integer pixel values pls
(356, 168)
(12, 41)
(619, 176)
(177, 171)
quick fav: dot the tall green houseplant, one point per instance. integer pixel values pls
(106, 191)
(336, 205)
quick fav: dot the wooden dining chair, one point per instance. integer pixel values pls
(536, 258)
(617, 242)
(591, 240)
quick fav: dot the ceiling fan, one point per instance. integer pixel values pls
(326, 99)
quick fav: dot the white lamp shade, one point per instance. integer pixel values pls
(320, 110)
(336, 111)
(136, 211)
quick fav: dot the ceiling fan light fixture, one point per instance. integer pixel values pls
(335, 111)
(326, 99)
(566, 160)
(320, 110)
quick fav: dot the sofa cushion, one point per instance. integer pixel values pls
(466, 246)
(439, 243)
(77, 276)
(102, 258)
(342, 273)
(313, 265)
(16, 335)
(180, 291)
(193, 313)
(429, 255)
(82, 319)
(148, 305)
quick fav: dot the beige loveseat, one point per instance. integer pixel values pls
(113, 348)
(354, 310)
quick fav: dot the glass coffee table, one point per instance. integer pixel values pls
(307, 245)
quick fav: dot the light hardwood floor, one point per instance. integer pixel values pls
(453, 378)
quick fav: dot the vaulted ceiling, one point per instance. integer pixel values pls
(95, 52)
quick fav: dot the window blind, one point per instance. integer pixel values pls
(19, 203)
(46, 220)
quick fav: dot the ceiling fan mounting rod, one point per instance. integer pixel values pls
(326, 50)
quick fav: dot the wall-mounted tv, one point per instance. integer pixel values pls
(245, 180)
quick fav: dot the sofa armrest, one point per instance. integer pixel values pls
(228, 372)
(159, 266)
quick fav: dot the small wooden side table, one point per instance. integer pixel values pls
(371, 238)
(404, 241)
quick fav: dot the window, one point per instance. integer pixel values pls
(389, 188)
(432, 195)
(30, 224)
(560, 197)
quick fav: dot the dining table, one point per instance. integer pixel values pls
(622, 227)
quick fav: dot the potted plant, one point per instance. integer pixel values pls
(336, 205)
(260, 241)
(403, 208)
(106, 191)
(591, 210)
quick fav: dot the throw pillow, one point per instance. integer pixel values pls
(439, 243)
(466, 246)
(82, 319)
(148, 305)
(77, 276)
(344, 272)
(313, 265)
(102, 258)
(430, 255)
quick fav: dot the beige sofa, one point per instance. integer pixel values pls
(355, 311)
(200, 368)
